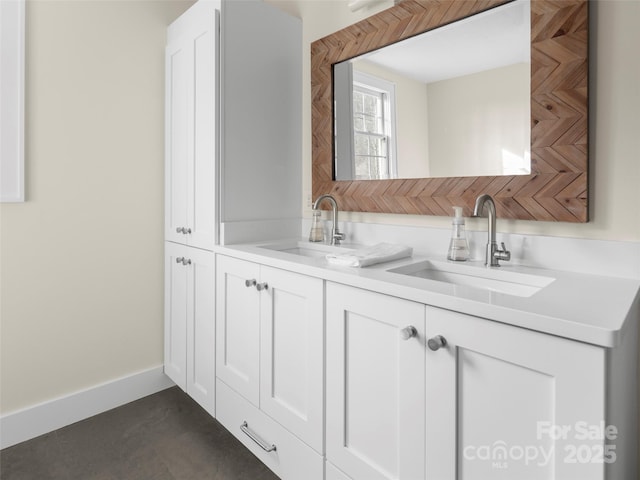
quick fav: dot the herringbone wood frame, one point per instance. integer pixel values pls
(556, 190)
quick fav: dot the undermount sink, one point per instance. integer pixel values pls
(478, 277)
(306, 249)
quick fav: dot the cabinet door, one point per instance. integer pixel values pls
(375, 385)
(178, 125)
(505, 403)
(175, 314)
(201, 373)
(202, 204)
(332, 473)
(238, 326)
(191, 135)
(292, 347)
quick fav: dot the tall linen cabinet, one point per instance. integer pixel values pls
(232, 169)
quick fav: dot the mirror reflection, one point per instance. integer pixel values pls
(451, 102)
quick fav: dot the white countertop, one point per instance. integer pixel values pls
(589, 308)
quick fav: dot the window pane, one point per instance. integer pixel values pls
(361, 145)
(357, 101)
(362, 170)
(370, 105)
(371, 124)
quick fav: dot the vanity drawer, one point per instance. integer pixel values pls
(291, 460)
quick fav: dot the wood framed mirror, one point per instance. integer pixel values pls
(557, 187)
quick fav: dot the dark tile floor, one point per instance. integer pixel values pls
(165, 436)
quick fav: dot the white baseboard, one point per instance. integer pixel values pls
(21, 425)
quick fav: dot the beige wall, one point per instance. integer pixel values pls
(477, 119)
(82, 261)
(615, 123)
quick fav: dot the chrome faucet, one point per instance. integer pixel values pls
(493, 254)
(336, 236)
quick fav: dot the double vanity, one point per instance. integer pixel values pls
(423, 368)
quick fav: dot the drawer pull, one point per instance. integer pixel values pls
(261, 443)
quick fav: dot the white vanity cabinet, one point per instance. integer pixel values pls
(504, 402)
(466, 398)
(269, 365)
(375, 385)
(189, 337)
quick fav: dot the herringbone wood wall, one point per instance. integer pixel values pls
(556, 189)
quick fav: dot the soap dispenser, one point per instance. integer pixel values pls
(458, 247)
(317, 228)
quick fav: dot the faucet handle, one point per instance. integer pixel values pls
(338, 236)
(503, 254)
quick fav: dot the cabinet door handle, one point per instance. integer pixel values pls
(186, 261)
(180, 260)
(253, 436)
(408, 332)
(186, 231)
(179, 230)
(262, 286)
(250, 283)
(437, 342)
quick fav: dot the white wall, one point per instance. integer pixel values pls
(614, 123)
(81, 261)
